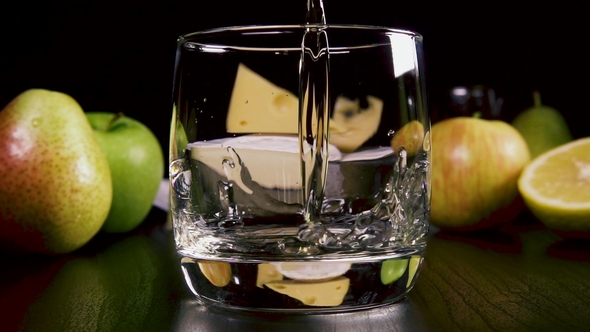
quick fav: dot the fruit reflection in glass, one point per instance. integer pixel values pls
(300, 176)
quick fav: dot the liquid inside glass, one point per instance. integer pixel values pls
(300, 183)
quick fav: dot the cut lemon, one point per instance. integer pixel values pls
(556, 186)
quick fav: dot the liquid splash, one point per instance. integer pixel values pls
(314, 101)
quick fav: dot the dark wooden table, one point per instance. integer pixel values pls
(520, 277)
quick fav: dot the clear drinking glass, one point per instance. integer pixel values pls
(300, 166)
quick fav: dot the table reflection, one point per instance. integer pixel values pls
(400, 316)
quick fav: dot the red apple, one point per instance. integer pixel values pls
(475, 167)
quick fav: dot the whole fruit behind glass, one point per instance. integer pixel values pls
(475, 168)
(542, 127)
(55, 182)
(136, 161)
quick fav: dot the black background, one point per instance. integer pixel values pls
(118, 56)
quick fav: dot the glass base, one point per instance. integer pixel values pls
(302, 286)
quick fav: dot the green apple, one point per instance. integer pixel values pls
(475, 168)
(137, 166)
(415, 264)
(55, 183)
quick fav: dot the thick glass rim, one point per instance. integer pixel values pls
(278, 28)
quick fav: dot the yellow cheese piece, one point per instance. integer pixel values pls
(351, 126)
(267, 273)
(258, 106)
(327, 293)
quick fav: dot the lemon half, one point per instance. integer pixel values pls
(556, 186)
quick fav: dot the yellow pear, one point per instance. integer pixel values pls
(55, 182)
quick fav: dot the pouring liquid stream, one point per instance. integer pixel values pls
(314, 103)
